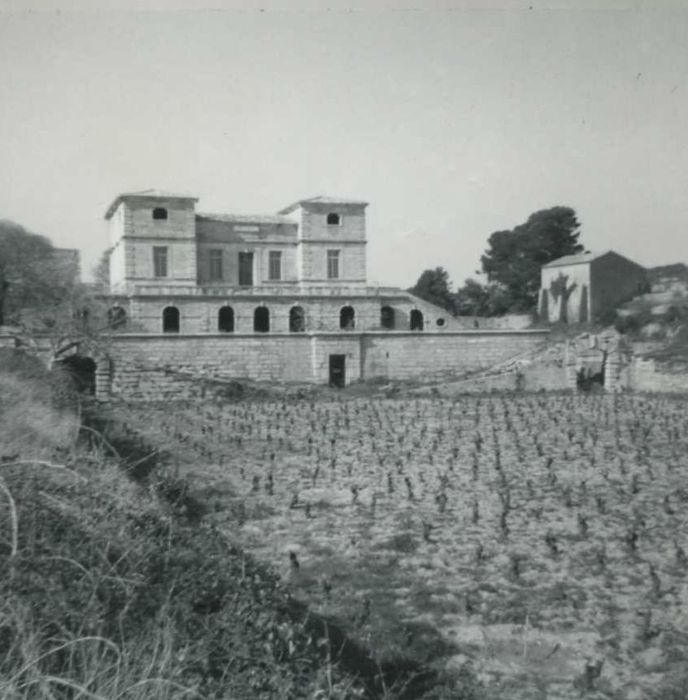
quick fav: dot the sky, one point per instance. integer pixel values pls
(453, 120)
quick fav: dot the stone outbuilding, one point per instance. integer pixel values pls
(581, 288)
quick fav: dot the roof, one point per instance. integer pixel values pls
(588, 257)
(245, 218)
(334, 201)
(578, 259)
(161, 194)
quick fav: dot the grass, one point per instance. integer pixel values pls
(115, 583)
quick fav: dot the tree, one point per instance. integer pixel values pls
(475, 299)
(27, 277)
(41, 295)
(434, 286)
(101, 272)
(514, 258)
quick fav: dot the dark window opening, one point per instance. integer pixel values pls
(416, 320)
(225, 319)
(440, 322)
(82, 371)
(159, 213)
(333, 219)
(261, 320)
(387, 319)
(117, 317)
(590, 377)
(297, 320)
(246, 269)
(347, 318)
(170, 320)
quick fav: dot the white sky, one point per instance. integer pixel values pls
(453, 122)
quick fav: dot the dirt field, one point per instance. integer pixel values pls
(539, 540)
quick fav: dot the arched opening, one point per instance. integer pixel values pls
(82, 371)
(297, 319)
(387, 319)
(333, 219)
(347, 318)
(261, 320)
(117, 317)
(160, 213)
(416, 320)
(225, 319)
(170, 319)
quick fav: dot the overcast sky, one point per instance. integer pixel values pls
(452, 123)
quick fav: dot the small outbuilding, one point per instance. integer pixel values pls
(580, 288)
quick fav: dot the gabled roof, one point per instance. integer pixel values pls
(245, 218)
(161, 194)
(587, 257)
(578, 259)
(334, 201)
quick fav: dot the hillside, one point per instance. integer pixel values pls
(116, 586)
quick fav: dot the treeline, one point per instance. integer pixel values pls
(511, 264)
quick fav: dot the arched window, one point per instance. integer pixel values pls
(170, 319)
(347, 318)
(117, 317)
(159, 213)
(333, 219)
(225, 319)
(261, 319)
(387, 319)
(297, 320)
(416, 320)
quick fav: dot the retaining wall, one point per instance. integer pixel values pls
(156, 367)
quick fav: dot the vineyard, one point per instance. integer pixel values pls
(537, 540)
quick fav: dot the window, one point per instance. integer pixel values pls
(159, 213)
(246, 269)
(347, 318)
(275, 265)
(440, 322)
(297, 320)
(416, 320)
(170, 319)
(117, 317)
(215, 264)
(387, 319)
(333, 219)
(225, 319)
(332, 264)
(261, 320)
(160, 261)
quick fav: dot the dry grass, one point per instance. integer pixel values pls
(114, 584)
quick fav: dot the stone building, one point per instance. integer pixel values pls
(174, 270)
(267, 297)
(580, 288)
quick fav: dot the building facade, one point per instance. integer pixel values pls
(281, 297)
(581, 288)
(173, 270)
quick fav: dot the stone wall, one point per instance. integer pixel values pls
(154, 367)
(650, 375)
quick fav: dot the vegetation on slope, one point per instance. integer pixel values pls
(115, 586)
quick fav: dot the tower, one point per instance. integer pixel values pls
(331, 241)
(152, 240)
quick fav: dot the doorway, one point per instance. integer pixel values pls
(338, 371)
